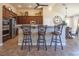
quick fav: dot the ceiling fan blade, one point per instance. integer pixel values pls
(37, 4)
(36, 7)
(43, 5)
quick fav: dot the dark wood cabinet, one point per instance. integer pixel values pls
(28, 19)
(38, 19)
(7, 13)
(21, 19)
(4, 11)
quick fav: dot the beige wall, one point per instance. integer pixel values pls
(48, 14)
(31, 12)
(59, 9)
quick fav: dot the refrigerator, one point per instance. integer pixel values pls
(12, 27)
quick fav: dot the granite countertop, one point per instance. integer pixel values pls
(34, 26)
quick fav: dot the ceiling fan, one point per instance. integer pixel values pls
(37, 5)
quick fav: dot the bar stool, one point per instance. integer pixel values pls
(56, 36)
(27, 41)
(41, 36)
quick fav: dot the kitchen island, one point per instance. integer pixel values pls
(34, 35)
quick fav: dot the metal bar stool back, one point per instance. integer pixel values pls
(56, 36)
(27, 41)
(58, 29)
(41, 36)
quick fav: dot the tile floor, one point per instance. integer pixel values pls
(10, 48)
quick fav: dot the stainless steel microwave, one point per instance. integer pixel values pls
(6, 22)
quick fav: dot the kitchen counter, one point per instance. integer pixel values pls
(35, 35)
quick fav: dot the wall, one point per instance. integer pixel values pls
(59, 9)
(73, 10)
(50, 12)
(31, 12)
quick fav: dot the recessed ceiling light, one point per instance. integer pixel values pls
(10, 9)
(50, 8)
(19, 6)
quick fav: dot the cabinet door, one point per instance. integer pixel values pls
(4, 11)
(24, 20)
(19, 20)
(7, 14)
(28, 19)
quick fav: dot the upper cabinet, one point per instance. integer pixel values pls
(30, 12)
(29, 19)
(7, 13)
(30, 16)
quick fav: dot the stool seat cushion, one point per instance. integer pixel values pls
(56, 33)
(41, 33)
(26, 33)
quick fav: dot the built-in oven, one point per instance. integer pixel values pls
(6, 30)
(5, 22)
(9, 29)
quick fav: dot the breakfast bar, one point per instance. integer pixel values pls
(34, 35)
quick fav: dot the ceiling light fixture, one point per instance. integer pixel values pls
(66, 10)
(50, 8)
(10, 9)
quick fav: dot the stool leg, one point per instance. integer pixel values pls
(29, 45)
(40, 37)
(44, 42)
(38, 44)
(61, 43)
(55, 42)
(22, 45)
(51, 41)
(45, 45)
(25, 44)
(31, 41)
